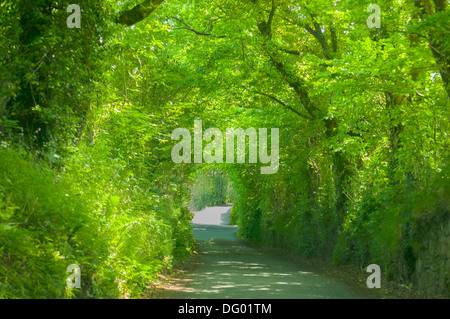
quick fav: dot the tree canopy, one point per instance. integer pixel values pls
(362, 114)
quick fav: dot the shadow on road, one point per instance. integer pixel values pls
(228, 268)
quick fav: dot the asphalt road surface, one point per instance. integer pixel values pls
(228, 268)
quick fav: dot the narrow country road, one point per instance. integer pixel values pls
(229, 268)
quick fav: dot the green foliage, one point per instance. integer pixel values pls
(362, 114)
(143, 216)
(44, 227)
(38, 54)
(209, 190)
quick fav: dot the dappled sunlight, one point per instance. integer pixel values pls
(227, 268)
(265, 275)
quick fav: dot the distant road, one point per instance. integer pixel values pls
(230, 269)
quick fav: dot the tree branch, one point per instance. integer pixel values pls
(284, 104)
(316, 32)
(298, 85)
(293, 52)
(266, 27)
(138, 13)
(189, 28)
(271, 15)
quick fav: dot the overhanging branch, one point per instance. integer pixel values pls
(138, 13)
(284, 104)
(189, 28)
